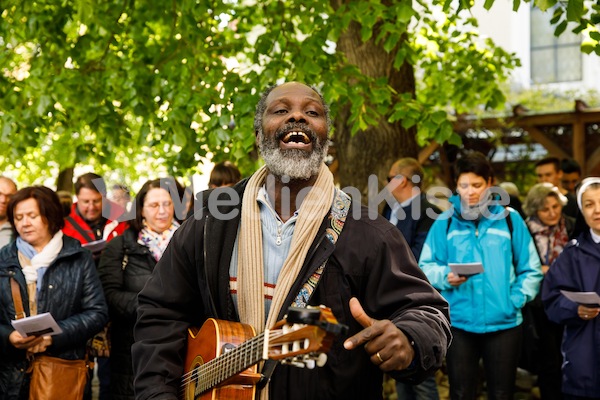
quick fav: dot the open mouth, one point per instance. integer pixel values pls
(296, 137)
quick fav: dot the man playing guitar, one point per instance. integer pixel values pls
(287, 237)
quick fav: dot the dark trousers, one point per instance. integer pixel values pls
(104, 377)
(549, 355)
(500, 353)
(426, 390)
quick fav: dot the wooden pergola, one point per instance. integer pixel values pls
(573, 134)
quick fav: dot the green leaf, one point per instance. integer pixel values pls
(587, 47)
(43, 104)
(405, 12)
(516, 5)
(179, 138)
(544, 4)
(488, 4)
(439, 117)
(574, 10)
(560, 28)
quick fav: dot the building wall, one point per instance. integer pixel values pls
(511, 30)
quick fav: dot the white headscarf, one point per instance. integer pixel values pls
(585, 184)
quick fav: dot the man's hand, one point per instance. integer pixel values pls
(387, 345)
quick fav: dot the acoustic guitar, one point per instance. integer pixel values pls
(222, 356)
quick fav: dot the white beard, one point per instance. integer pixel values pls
(294, 163)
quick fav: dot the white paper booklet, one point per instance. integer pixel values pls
(38, 325)
(466, 269)
(590, 299)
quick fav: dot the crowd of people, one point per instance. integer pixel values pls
(421, 286)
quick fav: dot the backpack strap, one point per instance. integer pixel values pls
(509, 223)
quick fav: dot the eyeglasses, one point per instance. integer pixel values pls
(390, 178)
(156, 206)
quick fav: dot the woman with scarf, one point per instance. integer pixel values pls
(485, 308)
(126, 264)
(577, 269)
(551, 231)
(55, 275)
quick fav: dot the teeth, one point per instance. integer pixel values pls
(299, 137)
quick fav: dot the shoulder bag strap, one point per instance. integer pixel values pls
(85, 234)
(337, 218)
(16, 294)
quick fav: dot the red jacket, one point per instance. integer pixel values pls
(111, 229)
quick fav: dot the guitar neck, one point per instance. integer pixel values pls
(231, 363)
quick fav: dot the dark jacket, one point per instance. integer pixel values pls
(124, 268)
(413, 229)
(71, 292)
(370, 261)
(576, 269)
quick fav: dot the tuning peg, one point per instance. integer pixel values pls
(321, 360)
(295, 363)
(310, 363)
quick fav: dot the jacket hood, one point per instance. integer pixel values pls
(494, 208)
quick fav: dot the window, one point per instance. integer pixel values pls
(553, 59)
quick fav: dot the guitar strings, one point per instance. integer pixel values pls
(200, 373)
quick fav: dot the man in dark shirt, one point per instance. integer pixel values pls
(413, 215)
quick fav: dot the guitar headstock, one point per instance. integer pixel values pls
(304, 336)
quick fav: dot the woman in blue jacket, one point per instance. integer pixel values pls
(485, 309)
(577, 269)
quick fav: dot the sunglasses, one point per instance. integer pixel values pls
(390, 178)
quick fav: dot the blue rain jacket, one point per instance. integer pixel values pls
(490, 301)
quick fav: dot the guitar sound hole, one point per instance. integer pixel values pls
(227, 347)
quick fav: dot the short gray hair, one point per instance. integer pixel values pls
(261, 106)
(537, 196)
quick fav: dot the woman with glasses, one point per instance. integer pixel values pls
(551, 231)
(126, 265)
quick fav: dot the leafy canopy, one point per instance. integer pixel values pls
(149, 88)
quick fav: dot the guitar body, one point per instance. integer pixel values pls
(210, 342)
(222, 357)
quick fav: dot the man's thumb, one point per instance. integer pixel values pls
(359, 314)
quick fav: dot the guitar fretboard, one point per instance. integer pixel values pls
(231, 363)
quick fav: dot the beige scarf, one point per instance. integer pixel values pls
(315, 206)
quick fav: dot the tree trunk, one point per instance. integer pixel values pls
(374, 150)
(65, 180)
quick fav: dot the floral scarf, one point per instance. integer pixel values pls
(549, 240)
(156, 242)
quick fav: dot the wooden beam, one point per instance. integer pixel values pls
(579, 143)
(593, 163)
(525, 121)
(552, 147)
(427, 151)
